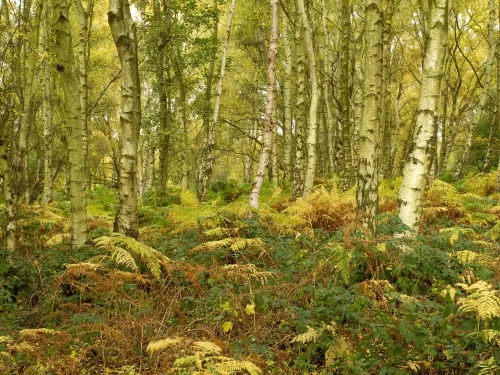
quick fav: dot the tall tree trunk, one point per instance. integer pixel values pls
(84, 16)
(489, 150)
(300, 116)
(27, 73)
(123, 30)
(313, 109)
(412, 189)
(329, 126)
(76, 156)
(484, 95)
(385, 101)
(287, 97)
(344, 92)
(207, 164)
(367, 189)
(47, 109)
(6, 177)
(269, 117)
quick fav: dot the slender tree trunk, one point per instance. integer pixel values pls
(300, 116)
(489, 151)
(82, 63)
(367, 189)
(269, 117)
(385, 101)
(484, 95)
(287, 97)
(6, 177)
(313, 109)
(329, 126)
(207, 164)
(344, 92)
(47, 109)
(124, 34)
(397, 127)
(76, 156)
(412, 189)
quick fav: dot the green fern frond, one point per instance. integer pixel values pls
(488, 367)
(455, 233)
(189, 199)
(466, 256)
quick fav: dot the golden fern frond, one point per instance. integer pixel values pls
(221, 232)
(212, 245)
(207, 347)
(481, 299)
(466, 256)
(38, 331)
(123, 257)
(456, 231)
(57, 239)
(152, 259)
(158, 345)
(229, 366)
(243, 243)
(245, 271)
(313, 334)
(82, 269)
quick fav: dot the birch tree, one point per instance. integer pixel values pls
(123, 29)
(344, 93)
(416, 166)
(367, 189)
(313, 109)
(269, 118)
(76, 156)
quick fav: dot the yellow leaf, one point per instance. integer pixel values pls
(250, 309)
(227, 326)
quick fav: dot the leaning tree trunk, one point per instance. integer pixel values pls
(344, 92)
(76, 156)
(269, 118)
(484, 95)
(313, 109)
(6, 176)
(47, 109)
(207, 163)
(124, 34)
(367, 190)
(416, 167)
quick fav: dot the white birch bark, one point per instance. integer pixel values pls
(367, 187)
(269, 118)
(415, 170)
(123, 29)
(313, 109)
(287, 97)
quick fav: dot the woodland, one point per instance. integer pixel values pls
(228, 187)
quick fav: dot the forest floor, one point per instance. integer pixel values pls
(297, 289)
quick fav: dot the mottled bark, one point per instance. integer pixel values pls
(47, 109)
(76, 156)
(287, 97)
(415, 170)
(367, 186)
(313, 106)
(344, 93)
(269, 114)
(123, 29)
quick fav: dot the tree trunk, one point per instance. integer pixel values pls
(287, 123)
(484, 95)
(207, 164)
(76, 156)
(6, 177)
(269, 117)
(411, 193)
(344, 92)
(300, 116)
(313, 109)
(123, 30)
(47, 109)
(367, 190)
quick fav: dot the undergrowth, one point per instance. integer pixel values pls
(297, 289)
